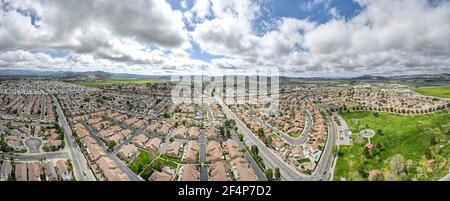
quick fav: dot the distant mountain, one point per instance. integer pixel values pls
(93, 75)
(28, 73)
(444, 76)
(369, 77)
(90, 75)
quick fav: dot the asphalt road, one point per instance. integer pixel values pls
(36, 157)
(303, 138)
(324, 168)
(110, 155)
(288, 172)
(166, 142)
(202, 153)
(130, 138)
(81, 170)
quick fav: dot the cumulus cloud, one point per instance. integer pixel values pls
(385, 36)
(149, 36)
(110, 29)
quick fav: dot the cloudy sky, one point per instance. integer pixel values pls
(298, 37)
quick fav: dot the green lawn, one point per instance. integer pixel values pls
(409, 136)
(443, 92)
(142, 160)
(101, 83)
(169, 158)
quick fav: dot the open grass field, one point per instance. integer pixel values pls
(410, 136)
(443, 92)
(141, 161)
(101, 83)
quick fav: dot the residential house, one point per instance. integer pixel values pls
(214, 151)
(153, 145)
(241, 170)
(50, 172)
(191, 152)
(218, 171)
(189, 173)
(139, 140)
(232, 149)
(127, 152)
(63, 170)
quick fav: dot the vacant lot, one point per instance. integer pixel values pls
(413, 137)
(443, 92)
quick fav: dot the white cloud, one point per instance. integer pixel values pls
(386, 36)
(93, 26)
(148, 36)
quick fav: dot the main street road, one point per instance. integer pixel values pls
(81, 169)
(36, 157)
(324, 168)
(288, 172)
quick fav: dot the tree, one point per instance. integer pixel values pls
(334, 149)
(260, 131)
(240, 136)
(111, 144)
(366, 152)
(277, 174)
(254, 150)
(428, 154)
(433, 141)
(397, 164)
(222, 131)
(269, 174)
(380, 132)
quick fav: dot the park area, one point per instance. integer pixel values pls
(443, 92)
(146, 163)
(404, 147)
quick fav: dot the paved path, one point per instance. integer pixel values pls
(446, 177)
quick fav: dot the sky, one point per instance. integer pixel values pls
(304, 38)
